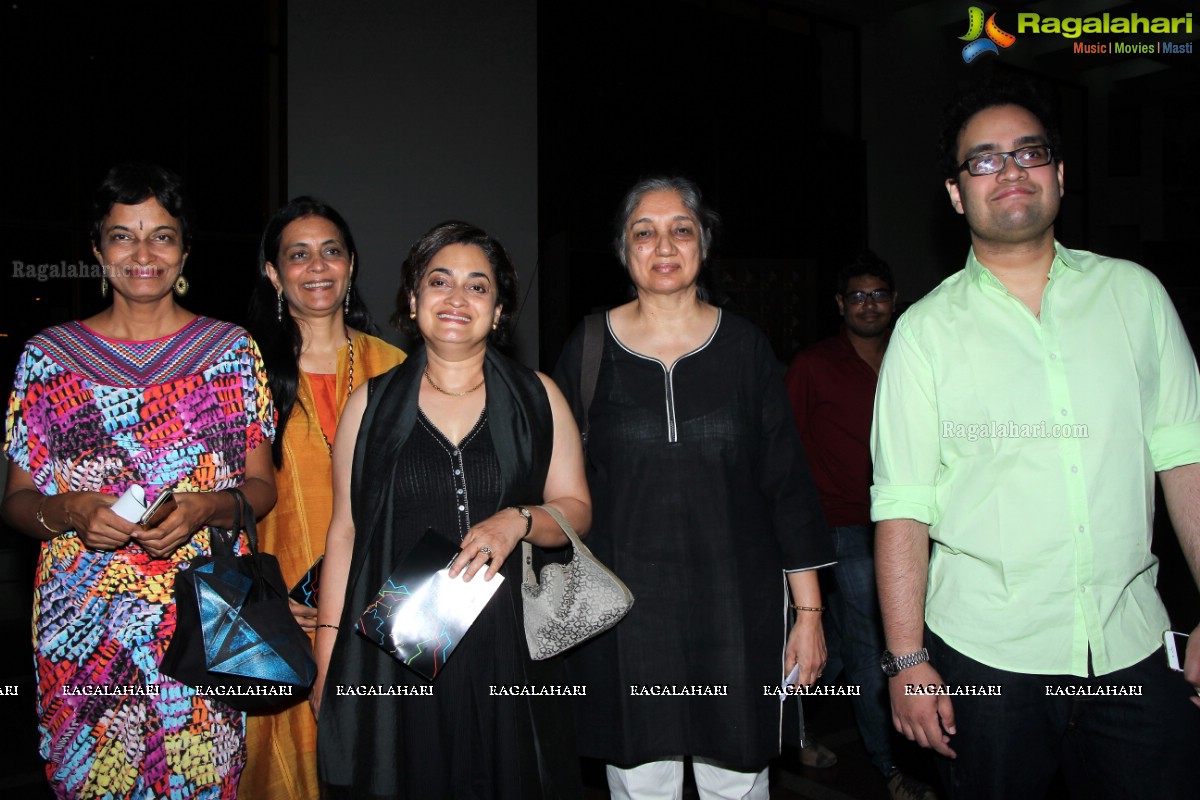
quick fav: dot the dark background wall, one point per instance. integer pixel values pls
(403, 115)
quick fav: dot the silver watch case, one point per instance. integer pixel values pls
(893, 665)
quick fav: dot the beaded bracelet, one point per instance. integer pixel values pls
(807, 608)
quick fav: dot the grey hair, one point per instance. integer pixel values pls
(688, 192)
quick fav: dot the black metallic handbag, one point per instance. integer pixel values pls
(236, 640)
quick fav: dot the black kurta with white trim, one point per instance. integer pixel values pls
(702, 500)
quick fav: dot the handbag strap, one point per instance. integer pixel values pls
(243, 520)
(529, 578)
(589, 373)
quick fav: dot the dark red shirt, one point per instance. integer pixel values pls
(833, 395)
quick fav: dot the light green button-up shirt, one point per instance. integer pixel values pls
(1030, 448)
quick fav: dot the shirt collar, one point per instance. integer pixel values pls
(1066, 257)
(1062, 255)
(848, 346)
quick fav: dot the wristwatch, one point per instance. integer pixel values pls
(891, 665)
(528, 515)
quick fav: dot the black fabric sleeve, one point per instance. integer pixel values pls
(787, 481)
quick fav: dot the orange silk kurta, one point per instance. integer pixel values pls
(281, 747)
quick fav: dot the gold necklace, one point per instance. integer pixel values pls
(349, 389)
(451, 394)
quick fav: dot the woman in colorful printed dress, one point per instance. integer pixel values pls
(314, 330)
(144, 393)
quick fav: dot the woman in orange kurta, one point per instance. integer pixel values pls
(309, 321)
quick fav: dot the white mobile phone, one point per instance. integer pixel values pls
(1175, 645)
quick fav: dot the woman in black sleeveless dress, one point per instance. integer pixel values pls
(463, 440)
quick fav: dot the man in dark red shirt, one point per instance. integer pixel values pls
(832, 388)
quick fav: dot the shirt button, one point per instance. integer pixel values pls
(455, 454)
(1074, 468)
(1081, 529)
(458, 491)
(1063, 412)
(458, 472)
(462, 508)
(1083, 590)
(1053, 357)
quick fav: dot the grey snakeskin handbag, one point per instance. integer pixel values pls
(571, 602)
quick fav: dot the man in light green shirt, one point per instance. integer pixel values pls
(1023, 409)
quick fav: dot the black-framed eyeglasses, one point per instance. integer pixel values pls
(1038, 155)
(878, 296)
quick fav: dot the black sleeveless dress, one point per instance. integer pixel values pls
(469, 738)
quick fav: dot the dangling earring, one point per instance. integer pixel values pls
(181, 285)
(412, 315)
(346, 304)
(495, 325)
(279, 305)
(104, 286)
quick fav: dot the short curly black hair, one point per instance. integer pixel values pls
(428, 246)
(132, 183)
(1030, 95)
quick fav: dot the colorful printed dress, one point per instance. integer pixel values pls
(88, 413)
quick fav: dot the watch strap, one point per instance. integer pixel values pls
(528, 515)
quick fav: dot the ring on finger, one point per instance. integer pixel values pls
(487, 551)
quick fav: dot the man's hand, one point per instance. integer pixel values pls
(1181, 488)
(923, 718)
(1191, 663)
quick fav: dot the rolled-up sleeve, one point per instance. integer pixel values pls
(905, 448)
(1175, 437)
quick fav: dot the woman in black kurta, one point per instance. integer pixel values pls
(425, 456)
(703, 503)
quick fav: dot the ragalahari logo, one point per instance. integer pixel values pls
(976, 27)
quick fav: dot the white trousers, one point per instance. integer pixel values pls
(663, 780)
